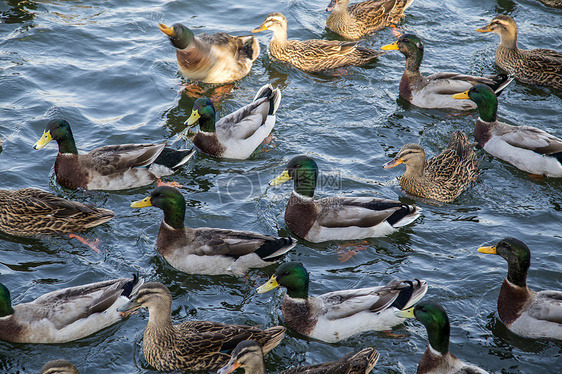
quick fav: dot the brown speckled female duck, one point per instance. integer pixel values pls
(536, 66)
(441, 178)
(356, 21)
(313, 55)
(59, 367)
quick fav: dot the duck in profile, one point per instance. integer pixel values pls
(435, 91)
(437, 358)
(525, 312)
(337, 315)
(441, 178)
(112, 167)
(536, 66)
(207, 250)
(313, 55)
(359, 20)
(337, 218)
(249, 356)
(59, 367)
(216, 58)
(527, 148)
(191, 345)
(67, 314)
(239, 134)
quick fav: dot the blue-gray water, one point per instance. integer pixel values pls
(107, 69)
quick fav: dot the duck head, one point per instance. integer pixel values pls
(203, 112)
(291, 275)
(179, 35)
(170, 200)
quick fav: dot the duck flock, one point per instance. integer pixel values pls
(220, 61)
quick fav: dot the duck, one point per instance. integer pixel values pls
(361, 19)
(59, 367)
(443, 177)
(539, 66)
(437, 358)
(237, 135)
(313, 55)
(191, 345)
(113, 167)
(30, 212)
(527, 148)
(205, 250)
(525, 312)
(249, 356)
(434, 91)
(67, 314)
(337, 315)
(212, 58)
(337, 218)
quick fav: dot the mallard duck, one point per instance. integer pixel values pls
(337, 218)
(361, 19)
(334, 316)
(435, 90)
(437, 358)
(65, 315)
(525, 147)
(536, 66)
(240, 133)
(113, 167)
(216, 58)
(552, 3)
(249, 356)
(313, 55)
(59, 367)
(525, 312)
(444, 176)
(31, 212)
(207, 250)
(191, 345)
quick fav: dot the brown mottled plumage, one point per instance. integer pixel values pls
(30, 212)
(552, 3)
(441, 178)
(313, 55)
(191, 345)
(536, 66)
(59, 367)
(361, 19)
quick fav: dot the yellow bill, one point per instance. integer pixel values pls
(230, 367)
(462, 95)
(44, 140)
(193, 118)
(489, 250)
(166, 30)
(484, 29)
(260, 28)
(392, 163)
(390, 47)
(270, 285)
(282, 178)
(142, 203)
(406, 313)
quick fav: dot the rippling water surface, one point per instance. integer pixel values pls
(106, 68)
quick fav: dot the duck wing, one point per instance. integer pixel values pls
(547, 306)
(244, 122)
(531, 138)
(345, 303)
(116, 159)
(41, 203)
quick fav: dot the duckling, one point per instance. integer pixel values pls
(337, 218)
(337, 315)
(359, 20)
(527, 148)
(444, 176)
(523, 311)
(191, 345)
(240, 133)
(59, 367)
(435, 90)
(437, 358)
(207, 250)
(313, 55)
(536, 66)
(216, 58)
(113, 167)
(249, 355)
(67, 314)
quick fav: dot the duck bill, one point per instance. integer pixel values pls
(230, 367)
(462, 95)
(271, 284)
(406, 313)
(130, 307)
(260, 29)
(331, 6)
(44, 140)
(488, 250)
(193, 118)
(390, 47)
(167, 30)
(392, 163)
(142, 203)
(484, 29)
(282, 178)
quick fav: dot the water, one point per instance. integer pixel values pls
(107, 69)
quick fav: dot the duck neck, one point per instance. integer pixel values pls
(207, 122)
(279, 36)
(174, 215)
(488, 109)
(300, 292)
(508, 40)
(414, 58)
(415, 169)
(67, 143)
(517, 273)
(160, 318)
(255, 365)
(439, 339)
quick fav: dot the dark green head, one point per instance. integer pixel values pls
(518, 257)
(304, 171)
(486, 100)
(59, 130)
(291, 275)
(180, 36)
(5, 301)
(436, 321)
(204, 113)
(170, 200)
(411, 46)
